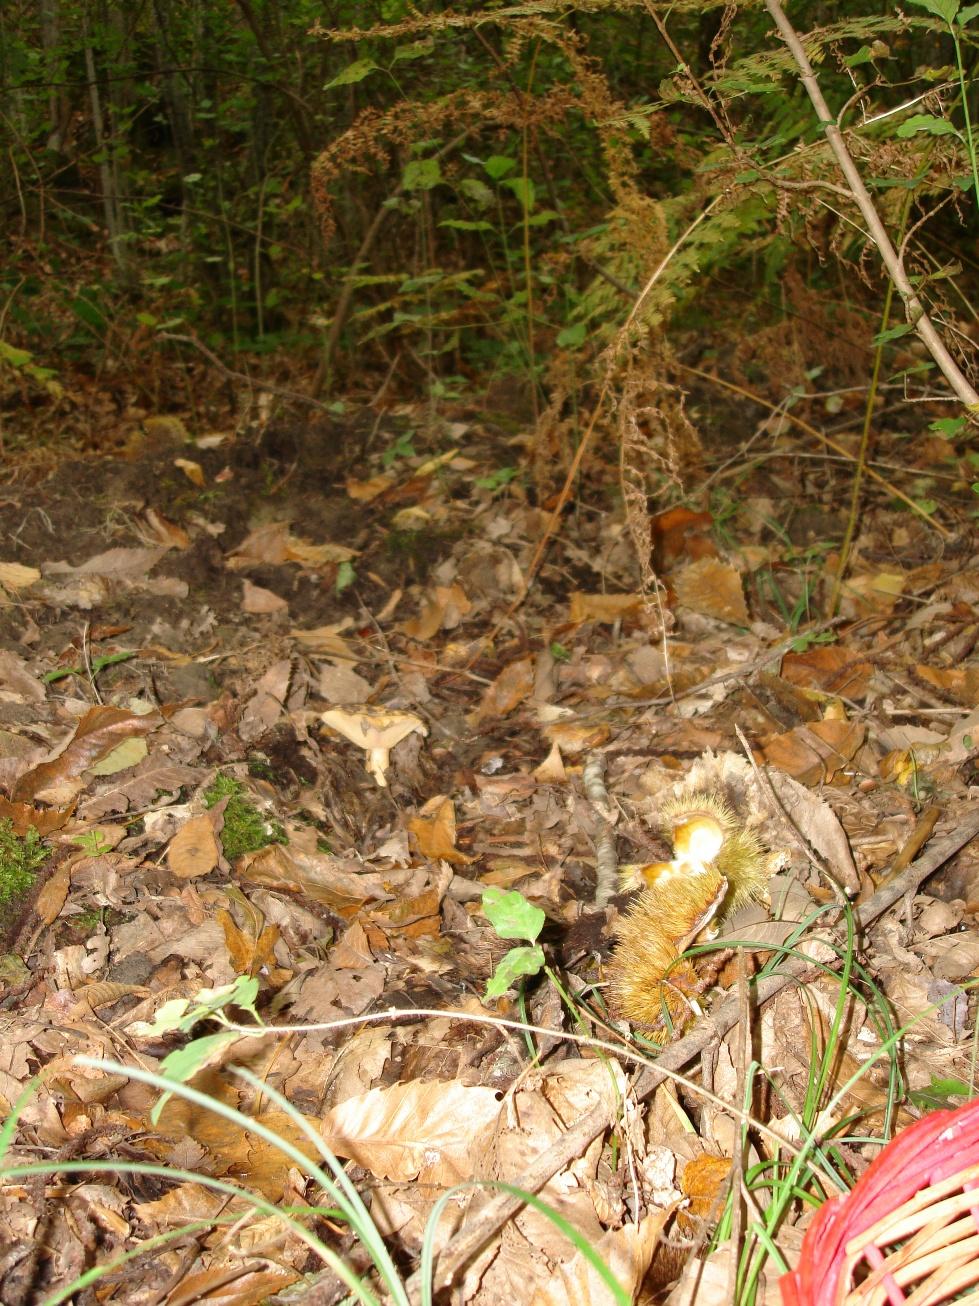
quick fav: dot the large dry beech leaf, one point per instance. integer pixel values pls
(712, 588)
(99, 731)
(435, 830)
(427, 1131)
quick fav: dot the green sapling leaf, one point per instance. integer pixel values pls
(511, 915)
(517, 962)
(354, 72)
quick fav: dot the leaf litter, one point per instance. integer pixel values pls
(342, 657)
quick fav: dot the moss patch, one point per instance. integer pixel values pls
(245, 828)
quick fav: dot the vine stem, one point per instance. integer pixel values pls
(915, 309)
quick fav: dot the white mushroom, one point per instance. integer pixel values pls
(375, 729)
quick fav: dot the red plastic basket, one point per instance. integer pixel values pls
(907, 1234)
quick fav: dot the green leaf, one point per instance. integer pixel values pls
(524, 190)
(498, 165)
(938, 1094)
(862, 56)
(93, 843)
(184, 1063)
(421, 174)
(944, 9)
(950, 427)
(354, 72)
(966, 15)
(477, 191)
(892, 333)
(573, 336)
(511, 915)
(88, 313)
(416, 50)
(926, 122)
(517, 962)
(461, 224)
(345, 577)
(14, 356)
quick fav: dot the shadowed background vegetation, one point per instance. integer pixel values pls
(361, 200)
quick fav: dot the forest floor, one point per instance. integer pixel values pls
(176, 619)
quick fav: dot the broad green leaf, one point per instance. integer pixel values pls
(416, 50)
(184, 1063)
(421, 174)
(88, 313)
(354, 72)
(862, 56)
(14, 356)
(511, 915)
(926, 122)
(498, 165)
(573, 336)
(936, 1095)
(966, 15)
(524, 190)
(517, 962)
(944, 9)
(950, 427)
(893, 333)
(477, 191)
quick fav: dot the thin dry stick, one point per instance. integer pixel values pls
(490, 1219)
(606, 862)
(914, 308)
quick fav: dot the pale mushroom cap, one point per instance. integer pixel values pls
(375, 729)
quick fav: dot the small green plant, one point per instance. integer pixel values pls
(402, 447)
(21, 363)
(98, 664)
(21, 857)
(513, 917)
(245, 829)
(93, 843)
(497, 480)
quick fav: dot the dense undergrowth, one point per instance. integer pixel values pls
(374, 200)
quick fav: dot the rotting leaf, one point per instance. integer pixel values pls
(193, 850)
(99, 731)
(514, 684)
(434, 828)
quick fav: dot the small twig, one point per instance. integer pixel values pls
(265, 386)
(606, 861)
(87, 655)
